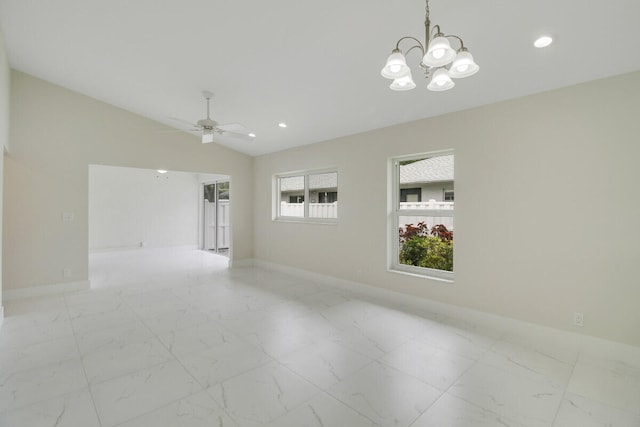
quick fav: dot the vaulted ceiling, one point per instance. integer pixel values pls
(314, 65)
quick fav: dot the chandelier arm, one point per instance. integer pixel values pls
(415, 47)
(434, 32)
(410, 38)
(459, 39)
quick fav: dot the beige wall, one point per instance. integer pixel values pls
(55, 135)
(5, 78)
(521, 250)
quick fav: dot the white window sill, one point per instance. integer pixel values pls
(322, 221)
(445, 277)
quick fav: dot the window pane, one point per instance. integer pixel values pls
(223, 191)
(323, 195)
(426, 242)
(291, 190)
(425, 182)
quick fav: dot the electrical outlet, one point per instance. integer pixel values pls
(578, 319)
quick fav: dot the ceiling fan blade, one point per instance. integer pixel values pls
(232, 127)
(184, 121)
(236, 135)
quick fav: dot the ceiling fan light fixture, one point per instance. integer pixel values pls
(207, 137)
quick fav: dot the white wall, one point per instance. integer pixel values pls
(47, 173)
(5, 74)
(129, 206)
(512, 257)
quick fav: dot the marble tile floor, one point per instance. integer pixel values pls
(174, 338)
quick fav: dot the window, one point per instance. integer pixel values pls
(410, 194)
(320, 188)
(421, 215)
(328, 197)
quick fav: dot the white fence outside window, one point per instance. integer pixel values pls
(447, 221)
(316, 210)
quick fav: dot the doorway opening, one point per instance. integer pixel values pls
(216, 217)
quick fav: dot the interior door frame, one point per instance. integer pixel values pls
(202, 220)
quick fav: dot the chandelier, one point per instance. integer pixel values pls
(440, 61)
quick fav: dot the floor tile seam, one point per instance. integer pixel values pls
(51, 398)
(337, 398)
(443, 390)
(605, 404)
(180, 328)
(446, 391)
(155, 408)
(120, 344)
(114, 342)
(46, 365)
(562, 383)
(482, 408)
(86, 377)
(120, 376)
(167, 404)
(129, 372)
(319, 390)
(268, 360)
(488, 409)
(284, 366)
(533, 350)
(5, 347)
(541, 379)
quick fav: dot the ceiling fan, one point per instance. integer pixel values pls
(210, 127)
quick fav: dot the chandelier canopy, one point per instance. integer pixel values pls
(440, 62)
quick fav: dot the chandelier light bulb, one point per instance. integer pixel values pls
(396, 66)
(439, 53)
(441, 81)
(463, 65)
(403, 83)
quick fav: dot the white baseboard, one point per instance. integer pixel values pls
(44, 290)
(240, 263)
(470, 316)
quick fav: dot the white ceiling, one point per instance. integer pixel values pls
(312, 64)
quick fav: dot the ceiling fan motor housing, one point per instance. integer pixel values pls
(207, 123)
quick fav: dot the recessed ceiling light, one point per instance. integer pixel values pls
(252, 135)
(162, 171)
(543, 41)
(282, 125)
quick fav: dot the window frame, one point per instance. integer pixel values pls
(276, 198)
(394, 214)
